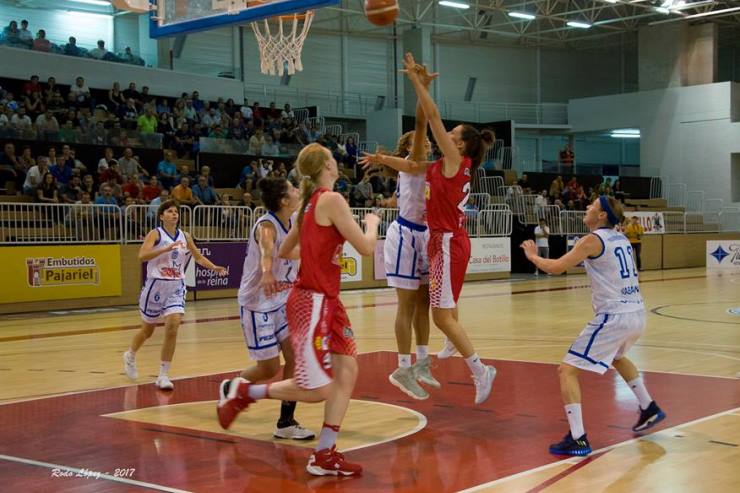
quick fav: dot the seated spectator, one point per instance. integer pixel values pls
(47, 126)
(269, 148)
(163, 106)
(9, 166)
(73, 191)
(218, 132)
(523, 182)
(189, 112)
(245, 110)
(147, 122)
(111, 173)
(145, 97)
(71, 47)
(248, 201)
(48, 191)
(66, 157)
(88, 185)
(287, 112)
(55, 102)
(115, 98)
(556, 188)
(151, 190)
(105, 160)
(151, 213)
(343, 183)
(35, 175)
(205, 170)
(128, 57)
(256, 142)
(41, 43)
(78, 165)
(26, 158)
(183, 193)
(248, 171)
(34, 104)
(25, 34)
(184, 140)
(167, 170)
(129, 114)
(204, 193)
(33, 85)
(79, 93)
(132, 93)
(8, 101)
(62, 172)
(362, 193)
(197, 102)
(100, 51)
(98, 135)
(4, 122)
(540, 203)
(21, 123)
(12, 36)
(106, 198)
(134, 188)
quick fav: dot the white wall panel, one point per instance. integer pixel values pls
(577, 74)
(126, 33)
(369, 60)
(207, 53)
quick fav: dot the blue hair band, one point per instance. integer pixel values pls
(611, 217)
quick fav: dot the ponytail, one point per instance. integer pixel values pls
(308, 187)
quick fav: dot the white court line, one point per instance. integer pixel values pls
(576, 460)
(89, 474)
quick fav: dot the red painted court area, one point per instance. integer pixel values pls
(462, 445)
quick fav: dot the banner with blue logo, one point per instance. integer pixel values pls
(724, 255)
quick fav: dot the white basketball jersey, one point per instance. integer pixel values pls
(251, 296)
(614, 284)
(410, 190)
(169, 265)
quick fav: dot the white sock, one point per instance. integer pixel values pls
(638, 387)
(422, 352)
(575, 420)
(164, 368)
(131, 353)
(475, 364)
(404, 360)
(257, 392)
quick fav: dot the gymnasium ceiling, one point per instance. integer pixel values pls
(488, 20)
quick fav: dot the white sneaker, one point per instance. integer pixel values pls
(447, 351)
(163, 382)
(294, 432)
(129, 365)
(483, 384)
(423, 373)
(405, 380)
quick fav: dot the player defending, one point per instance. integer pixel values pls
(263, 293)
(407, 264)
(320, 332)
(167, 251)
(618, 323)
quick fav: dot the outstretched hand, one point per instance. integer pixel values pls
(417, 71)
(369, 161)
(530, 249)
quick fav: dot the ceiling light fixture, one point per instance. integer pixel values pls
(454, 5)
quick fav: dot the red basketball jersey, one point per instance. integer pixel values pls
(446, 197)
(321, 253)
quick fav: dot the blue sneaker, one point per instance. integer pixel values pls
(649, 417)
(569, 446)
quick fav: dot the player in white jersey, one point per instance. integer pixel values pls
(263, 293)
(407, 266)
(167, 250)
(619, 319)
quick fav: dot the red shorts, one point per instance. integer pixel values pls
(449, 254)
(318, 327)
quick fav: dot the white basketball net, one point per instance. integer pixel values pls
(280, 50)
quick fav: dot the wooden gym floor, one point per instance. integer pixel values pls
(73, 422)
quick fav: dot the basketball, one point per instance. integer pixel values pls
(381, 12)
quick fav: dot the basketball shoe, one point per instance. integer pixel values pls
(405, 380)
(329, 462)
(570, 446)
(649, 417)
(236, 401)
(129, 365)
(447, 351)
(163, 382)
(423, 373)
(483, 384)
(294, 431)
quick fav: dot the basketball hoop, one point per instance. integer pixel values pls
(280, 51)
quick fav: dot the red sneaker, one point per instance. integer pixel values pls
(329, 462)
(236, 401)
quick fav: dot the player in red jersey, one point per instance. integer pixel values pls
(320, 332)
(447, 191)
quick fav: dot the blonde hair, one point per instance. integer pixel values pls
(310, 162)
(404, 143)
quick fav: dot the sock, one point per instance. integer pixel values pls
(404, 360)
(164, 368)
(328, 436)
(132, 353)
(573, 413)
(421, 352)
(475, 364)
(257, 392)
(638, 387)
(287, 409)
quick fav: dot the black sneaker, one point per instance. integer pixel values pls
(649, 417)
(569, 446)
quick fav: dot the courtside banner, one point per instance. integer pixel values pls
(490, 255)
(723, 256)
(652, 222)
(351, 262)
(40, 273)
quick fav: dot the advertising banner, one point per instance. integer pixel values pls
(652, 222)
(723, 256)
(351, 264)
(490, 255)
(41, 273)
(229, 255)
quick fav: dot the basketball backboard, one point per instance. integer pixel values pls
(175, 17)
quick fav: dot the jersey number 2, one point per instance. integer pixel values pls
(625, 262)
(466, 191)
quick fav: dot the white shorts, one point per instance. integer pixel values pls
(264, 332)
(161, 297)
(405, 253)
(607, 337)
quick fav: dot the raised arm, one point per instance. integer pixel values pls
(418, 149)
(588, 246)
(397, 163)
(200, 259)
(452, 157)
